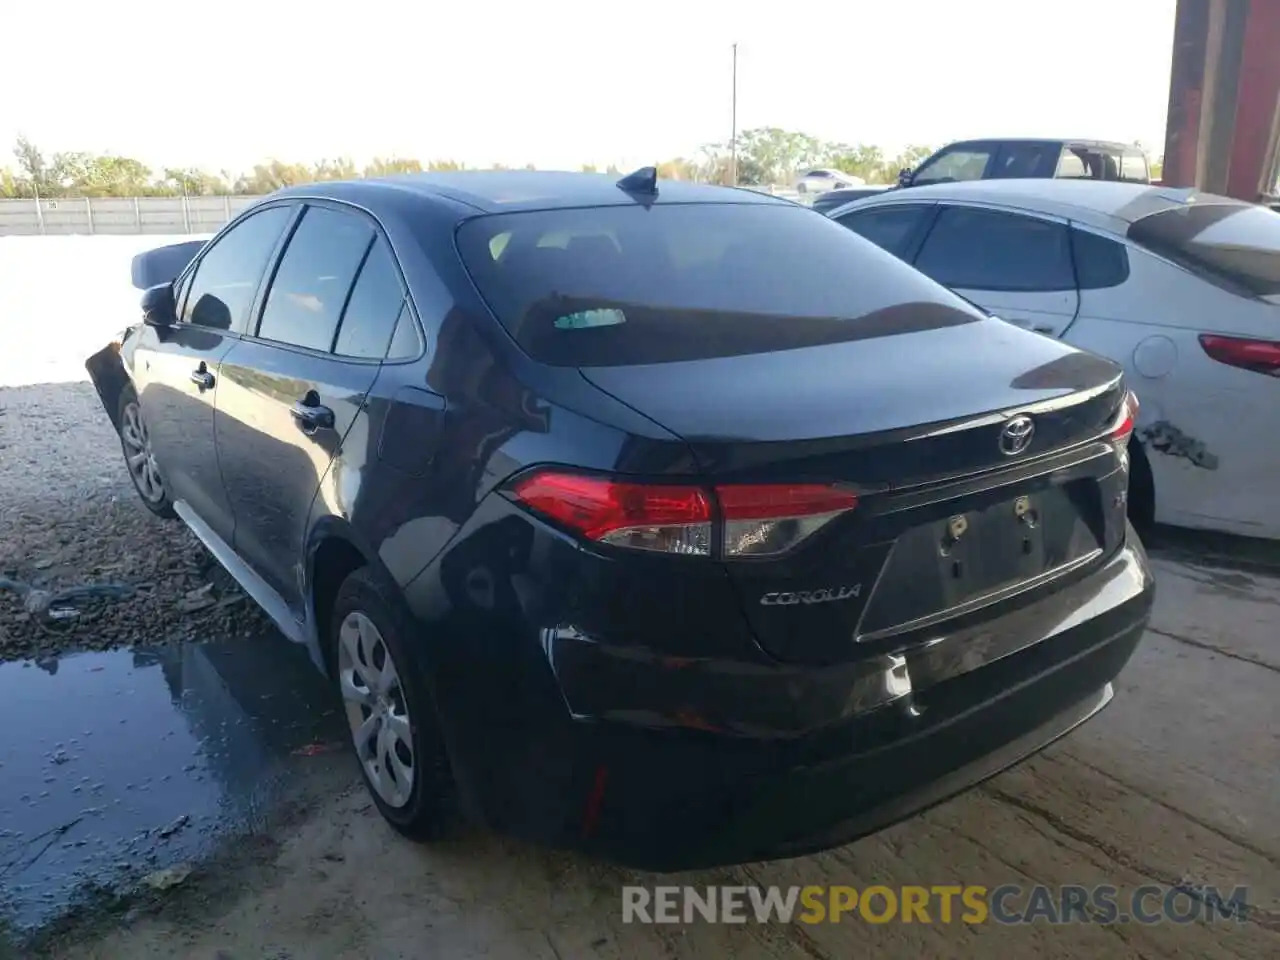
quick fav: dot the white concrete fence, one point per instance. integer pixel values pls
(136, 215)
(118, 215)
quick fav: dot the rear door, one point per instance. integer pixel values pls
(177, 370)
(1016, 266)
(291, 392)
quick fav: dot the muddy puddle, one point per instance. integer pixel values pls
(120, 769)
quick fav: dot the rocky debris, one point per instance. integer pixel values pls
(169, 877)
(69, 517)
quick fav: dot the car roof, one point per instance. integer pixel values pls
(500, 191)
(1065, 141)
(1110, 205)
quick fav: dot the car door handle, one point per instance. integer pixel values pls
(201, 377)
(312, 416)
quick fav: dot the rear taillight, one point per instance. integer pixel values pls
(738, 520)
(1260, 356)
(669, 519)
(768, 519)
(1125, 420)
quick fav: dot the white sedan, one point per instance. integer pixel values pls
(1181, 288)
(822, 180)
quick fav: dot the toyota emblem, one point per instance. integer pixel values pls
(1016, 436)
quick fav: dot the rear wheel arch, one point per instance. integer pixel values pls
(332, 556)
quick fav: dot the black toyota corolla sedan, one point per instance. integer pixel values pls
(675, 523)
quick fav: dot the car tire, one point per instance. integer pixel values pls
(369, 630)
(135, 443)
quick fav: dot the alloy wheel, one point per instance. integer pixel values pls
(139, 456)
(377, 710)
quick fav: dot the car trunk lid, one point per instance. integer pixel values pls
(955, 509)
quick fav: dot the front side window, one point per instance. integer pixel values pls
(974, 249)
(227, 277)
(889, 227)
(963, 163)
(626, 284)
(315, 275)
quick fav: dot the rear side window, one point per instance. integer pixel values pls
(371, 313)
(227, 277)
(1026, 160)
(314, 278)
(1071, 166)
(406, 343)
(1100, 262)
(1233, 245)
(1087, 163)
(889, 227)
(1133, 167)
(989, 250)
(626, 284)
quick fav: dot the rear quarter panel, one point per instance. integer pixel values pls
(1205, 426)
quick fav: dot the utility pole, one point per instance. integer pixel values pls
(733, 140)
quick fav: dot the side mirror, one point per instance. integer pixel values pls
(904, 177)
(158, 306)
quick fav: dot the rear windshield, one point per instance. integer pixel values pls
(1233, 245)
(629, 284)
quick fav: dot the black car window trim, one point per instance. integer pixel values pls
(191, 268)
(1051, 218)
(380, 232)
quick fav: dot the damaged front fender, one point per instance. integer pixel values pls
(109, 375)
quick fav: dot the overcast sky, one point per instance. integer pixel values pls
(559, 83)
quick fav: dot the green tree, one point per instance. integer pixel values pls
(33, 168)
(680, 168)
(271, 176)
(196, 183)
(908, 159)
(340, 169)
(860, 160)
(389, 166)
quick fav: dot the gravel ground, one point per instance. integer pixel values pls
(69, 517)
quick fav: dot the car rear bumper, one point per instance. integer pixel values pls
(667, 764)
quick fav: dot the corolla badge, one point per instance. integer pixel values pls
(1016, 436)
(790, 598)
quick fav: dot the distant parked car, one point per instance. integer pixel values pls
(669, 521)
(820, 181)
(1004, 159)
(1182, 288)
(825, 202)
